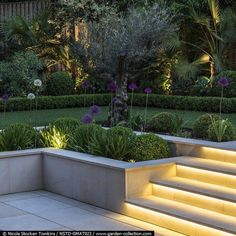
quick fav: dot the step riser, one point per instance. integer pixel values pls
(170, 222)
(206, 176)
(197, 200)
(218, 155)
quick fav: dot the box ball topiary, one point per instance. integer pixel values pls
(59, 84)
(229, 134)
(163, 122)
(149, 147)
(121, 131)
(202, 124)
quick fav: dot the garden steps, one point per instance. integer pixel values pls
(184, 219)
(207, 196)
(207, 171)
(199, 200)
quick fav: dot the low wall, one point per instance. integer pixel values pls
(20, 171)
(99, 181)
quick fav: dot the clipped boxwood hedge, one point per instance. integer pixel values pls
(204, 104)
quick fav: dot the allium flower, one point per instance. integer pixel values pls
(87, 119)
(85, 84)
(148, 90)
(31, 96)
(94, 89)
(223, 82)
(95, 110)
(37, 83)
(132, 86)
(112, 86)
(5, 98)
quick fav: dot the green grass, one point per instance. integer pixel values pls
(43, 117)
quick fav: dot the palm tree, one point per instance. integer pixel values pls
(211, 31)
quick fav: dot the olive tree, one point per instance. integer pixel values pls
(113, 45)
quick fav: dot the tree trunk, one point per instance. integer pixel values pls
(119, 107)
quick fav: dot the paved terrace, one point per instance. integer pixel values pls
(42, 210)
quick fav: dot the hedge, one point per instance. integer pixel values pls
(204, 104)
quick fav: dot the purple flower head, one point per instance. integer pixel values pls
(94, 88)
(148, 90)
(114, 100)
(223, 82)
(95, 110)
(132, 86)
(87, 119)
(85, 84)
(5, 98)
(111, 87)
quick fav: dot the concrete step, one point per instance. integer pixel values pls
(181, 217)
(197, 194)
(208, 164)
(209, 171)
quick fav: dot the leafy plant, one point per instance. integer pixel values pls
(221, 130)
(67, 125)
(83, 136)
(202, 124)
(113, 143)
(17, 137)
(53, 137)
(148, 147)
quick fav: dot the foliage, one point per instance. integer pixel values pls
(113, 44)
(114, 143)
(83, 136)
(18, 74)
(17, 137)
(166, 122)
(67, 125)
(229, 91)
(202, 124)
(53, 137)
(149, 147)
(205, 104)
(59, 84)
(221, 130)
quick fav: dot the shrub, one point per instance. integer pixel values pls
(53, 137)
(221, 130)
(229, 91)
(207, 104)
(60, 83)
(18, 74)
(17, 137)
(83, 136)
(115, 145)
(149, 147)
(165, 122)
(67, 125)
(201, 125)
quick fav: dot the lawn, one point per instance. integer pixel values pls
(43, 117)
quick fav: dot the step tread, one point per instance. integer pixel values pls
(194, 186)
(187, 212)
(207, 164)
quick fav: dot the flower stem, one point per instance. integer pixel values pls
(145, 115)
(221, 99)
(131, 107)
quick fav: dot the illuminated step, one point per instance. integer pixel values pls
(198, 195)
(181, 217)
(218, 154)
(207, 164)
(213, 172)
